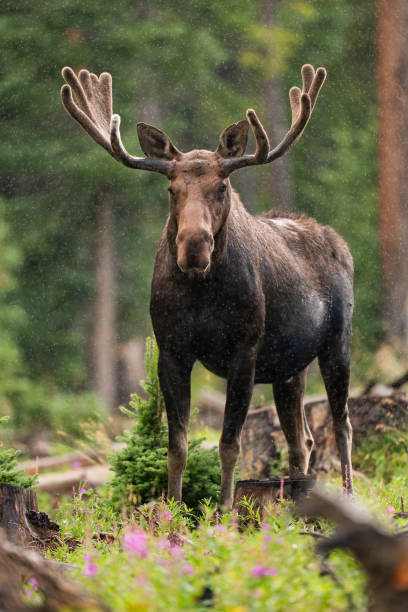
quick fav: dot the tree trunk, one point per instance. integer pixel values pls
(20, 519)
(393, 164)
(104, 337)
(277, 180)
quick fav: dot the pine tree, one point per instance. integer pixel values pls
(8, 463)
(141, 466)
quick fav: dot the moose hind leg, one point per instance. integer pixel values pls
(334, 365)
(289, 404)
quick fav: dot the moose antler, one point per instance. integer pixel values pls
(93, 111)
(302, 104)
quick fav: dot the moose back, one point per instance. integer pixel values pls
(255, 299)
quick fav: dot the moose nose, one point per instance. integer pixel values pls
(194, 251)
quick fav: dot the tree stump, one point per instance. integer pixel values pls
(263, 493)
(20, 519)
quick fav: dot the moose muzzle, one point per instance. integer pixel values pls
(194, 249)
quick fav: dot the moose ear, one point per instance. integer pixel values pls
(233, 140)
(155, 143)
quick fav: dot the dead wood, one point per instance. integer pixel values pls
(63, 482)
(264, 493)
(76, 459)
(384, 556)
(263, 441)
(369, 415)
(56, 590)
(20, 519)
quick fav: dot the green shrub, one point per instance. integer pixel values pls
(8, 463)
(141, 466)
(383, 454)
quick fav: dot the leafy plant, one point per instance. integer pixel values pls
(384, 455)
(8, 463)
(141, 466)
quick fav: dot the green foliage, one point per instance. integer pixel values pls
(8, 463)
(162, 561)
(52, 176)
(334, 166)
(383, 454)
(140, 468)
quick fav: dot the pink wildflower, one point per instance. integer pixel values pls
(390, 509)
(265, 527)
(266, 539)
(177, 552)
(33, 583)
(134, 542)
(221, 528)
(167, 515)
(90, 568)
(261, 570)
(187, 570)
(82, 490)
(163, 544)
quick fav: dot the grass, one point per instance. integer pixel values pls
(164, 558)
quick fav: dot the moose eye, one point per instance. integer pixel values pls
(171, 192)
(222, 188)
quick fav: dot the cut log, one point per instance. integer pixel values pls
(264, 493)
(211, 405)
(263, 439)
(76, 459)
(20, 519)
(55, 587)
(369, 415)
(261, 443)
(62, 483)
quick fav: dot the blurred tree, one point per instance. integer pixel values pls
(393, 161)
(55, 179)
(277, 185)
(191, 69)
(334, 166)
(104, 341)
(11, 317)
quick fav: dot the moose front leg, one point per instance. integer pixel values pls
(174, 376)
(239, 393)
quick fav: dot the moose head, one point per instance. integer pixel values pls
(200, 190)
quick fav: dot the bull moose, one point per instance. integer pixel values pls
(255, 299)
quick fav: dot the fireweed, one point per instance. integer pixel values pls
(163, 558)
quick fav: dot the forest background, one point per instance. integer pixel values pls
(78, 231)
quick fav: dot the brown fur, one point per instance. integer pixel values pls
(253, 299)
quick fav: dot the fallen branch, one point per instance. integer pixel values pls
(57, 590)
(384, 556)
(64, 482)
